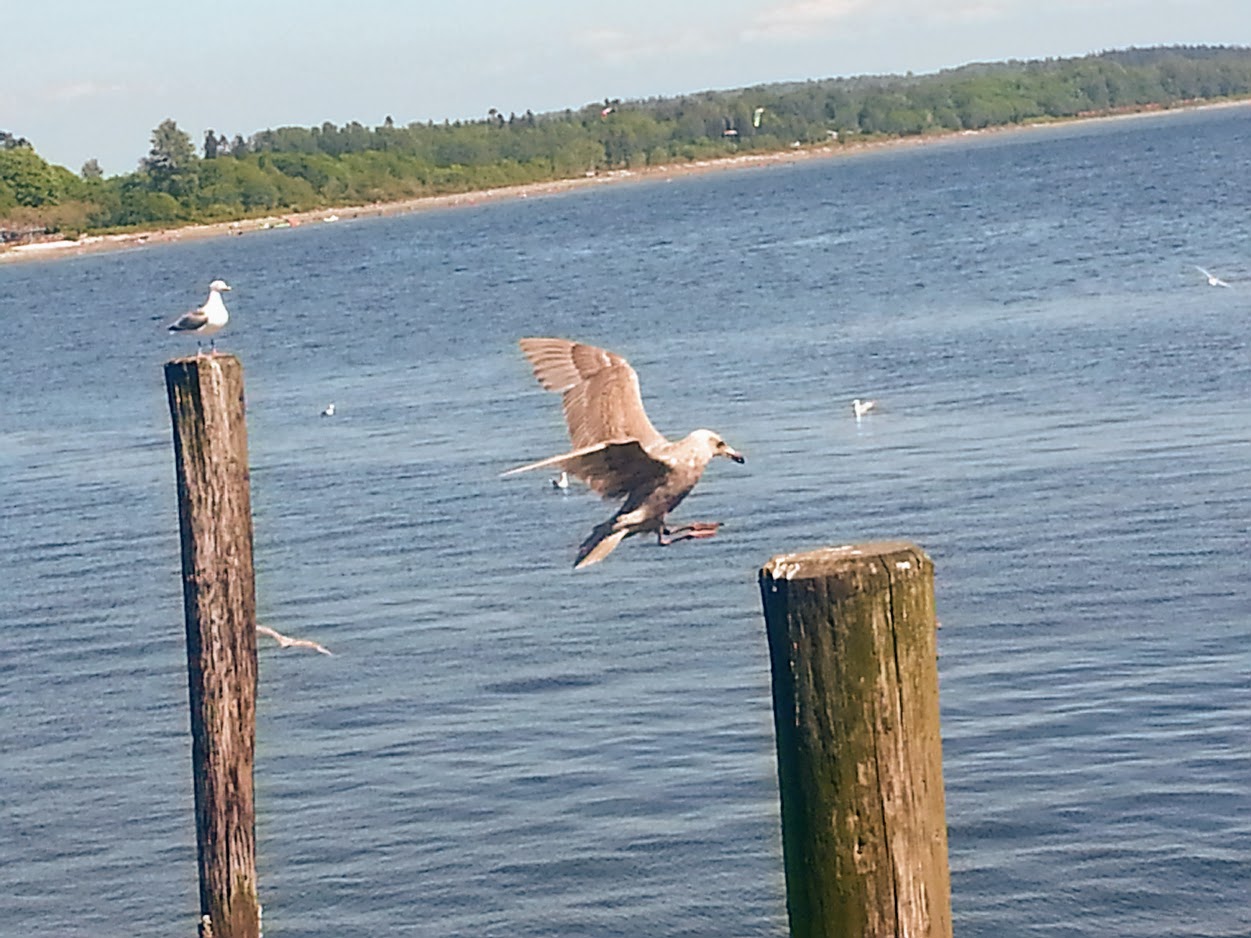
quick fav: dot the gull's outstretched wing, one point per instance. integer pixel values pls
(613, 469)
(1212, 278)
(600, 391)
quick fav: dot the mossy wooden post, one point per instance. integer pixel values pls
(219, 601)
(852, 642)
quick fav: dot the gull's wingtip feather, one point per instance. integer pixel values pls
(550, 461)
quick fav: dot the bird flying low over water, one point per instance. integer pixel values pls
(1213, 280)
(616, 450)
(209, 318)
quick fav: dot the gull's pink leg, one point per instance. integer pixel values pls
(696, 529)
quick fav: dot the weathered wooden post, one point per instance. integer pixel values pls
(219, 601)
(853, 647)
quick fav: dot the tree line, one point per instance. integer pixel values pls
(300, 168)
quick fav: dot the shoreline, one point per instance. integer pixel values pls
(91, 244)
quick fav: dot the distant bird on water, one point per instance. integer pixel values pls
(209, 318)
(1213, 280)
(328, 411)
(860, 408)
(561, 482)
(617, 451)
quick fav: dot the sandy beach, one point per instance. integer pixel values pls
(133, 240)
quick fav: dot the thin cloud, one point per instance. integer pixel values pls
(80, 90)
(615, 46)
(798, 20)
(807, 19)
(618, 47)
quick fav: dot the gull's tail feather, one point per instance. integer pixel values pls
(602, 541)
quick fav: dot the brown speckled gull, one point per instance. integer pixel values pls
(617, 452)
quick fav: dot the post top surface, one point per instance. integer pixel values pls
(826, 560)
(207, 358)
(218, 368)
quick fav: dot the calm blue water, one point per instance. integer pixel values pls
(501, 747)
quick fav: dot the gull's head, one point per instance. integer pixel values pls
(717, 446)
(217, 286)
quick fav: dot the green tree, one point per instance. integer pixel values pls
(256, 188)
(8, 199)
(91, 169)
(171, 163)
(33, 181)
(295, 167)
(142, 207)
(171, 149)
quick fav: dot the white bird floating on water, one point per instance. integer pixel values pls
(329, 410)
(209, 318)
(860, 408)
(561, 482)
(1213, 280)
(617, 451)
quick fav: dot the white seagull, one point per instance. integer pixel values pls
(617, 451)
(286, 641)
(860, 408)
(1213, 280)
(561, 482)
(209, 318)
(329, 410)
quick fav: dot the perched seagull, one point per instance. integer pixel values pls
(1213, 280)
(209, 318)
(329, 411)
(617, 451)
(860, 408)
(561, 482)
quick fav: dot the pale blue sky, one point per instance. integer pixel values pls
(91, 78)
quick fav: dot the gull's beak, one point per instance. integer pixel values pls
(735, 455)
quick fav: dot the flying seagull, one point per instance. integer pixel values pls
(286, 641)
(1213, 280)
(209, 318)
(616, 450)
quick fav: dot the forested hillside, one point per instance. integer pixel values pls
(301, 168)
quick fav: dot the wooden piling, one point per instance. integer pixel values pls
(852, 642)
(219, 601)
